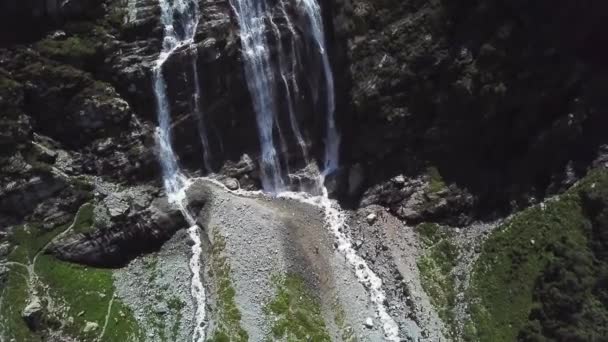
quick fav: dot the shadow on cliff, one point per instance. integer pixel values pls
(504, 98)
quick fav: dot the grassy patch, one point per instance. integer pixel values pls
(516, 255)
(84, 220)
(122, 325)
(14, 299)
(73, 49)
(87, 292)
(436, 182)
(429, 233)
(347, 333)
(175, 306)
(228, 314)
(29, 239)
(297, 313)
(80, 294)
(436, 266)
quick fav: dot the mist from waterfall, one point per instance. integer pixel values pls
(180, 20)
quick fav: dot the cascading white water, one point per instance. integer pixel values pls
(336, 221)
(332, 137)
(260, 81)
(177, 34)
(202, 127)
(284, 77)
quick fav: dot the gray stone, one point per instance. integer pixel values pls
(90, 326)
(369, 323)
(371, 218)
(231, 183)
(32, 313)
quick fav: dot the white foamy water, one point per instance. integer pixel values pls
(185, 15)
(336, 220)
(196, 287)
(251, 15)
(332, 137)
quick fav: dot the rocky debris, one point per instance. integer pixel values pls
(116, 206)
(306, 179)
(90, 326)
(119, 242)
(165, 276)
(32, 313)
(231, 183)
(371, 218)
(244, 171)
(21, 197)
(265, 237)
(369, 323)
(416, 200)
(391, 251)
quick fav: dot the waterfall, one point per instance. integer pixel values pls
(332, 137)
(262, 81)
(284, 77)
(180, 20)
(202, 127)
(260, 76)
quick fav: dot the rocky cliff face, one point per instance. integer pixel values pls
(503, 98)
(450, 113)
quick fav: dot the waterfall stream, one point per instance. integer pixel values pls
(332, 138)
(176, 35)
(260, 81)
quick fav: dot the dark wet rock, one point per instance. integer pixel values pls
(416, 200)
(490, 92)
(197, 195)
(20, 198)
(33, 313)
(115, 245)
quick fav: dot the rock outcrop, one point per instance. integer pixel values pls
(501, 100)
(124, 237)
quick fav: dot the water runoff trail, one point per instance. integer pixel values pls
(180, 20)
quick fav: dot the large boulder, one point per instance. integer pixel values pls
(123, 239)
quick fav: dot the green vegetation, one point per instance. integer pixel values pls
(84, 220)
(542, 275)
(429, 233)
(79, 294)
(347, 332)
(29, 239)
(297, 313)
(436, 266)
(436, 182)
(72, 49)
(14, 299)
(228, 314)
(8, 85)
(87, 292)
(175, 306)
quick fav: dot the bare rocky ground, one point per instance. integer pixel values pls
(391, 249)
(268, 237)
(157, 289)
